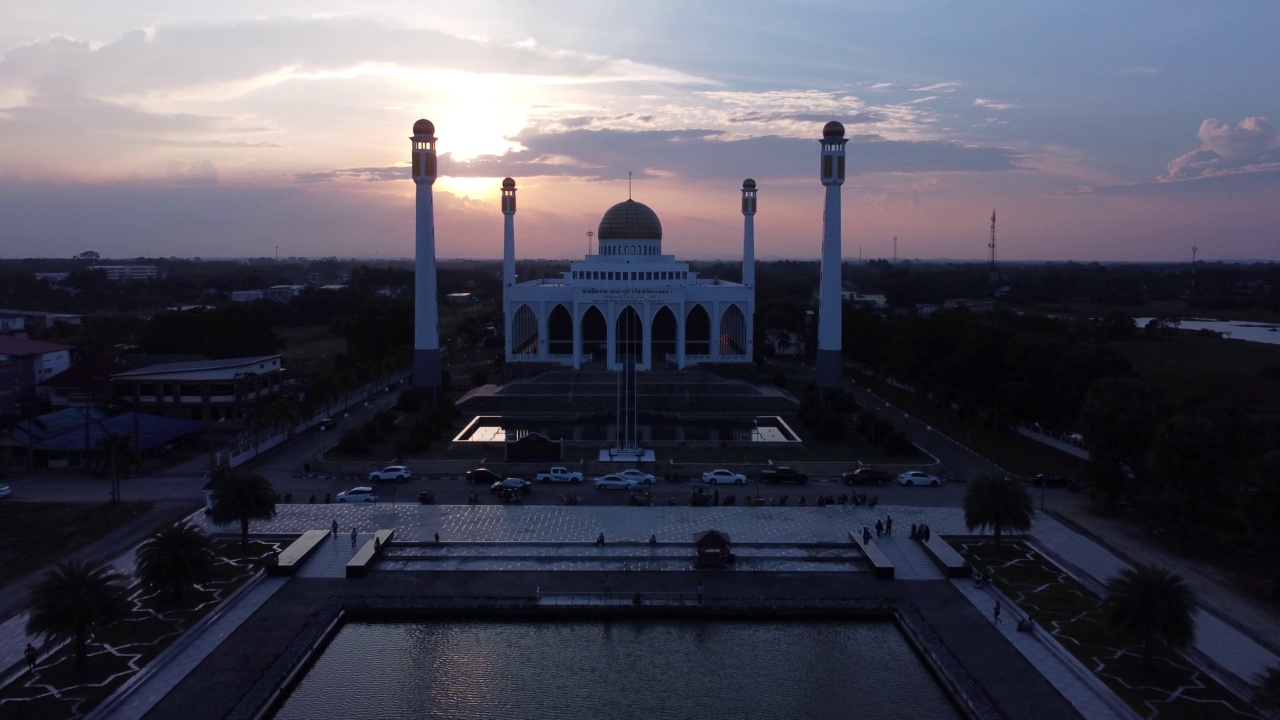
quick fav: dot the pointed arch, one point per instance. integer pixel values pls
(559, 331)
(663, 332)
(595, 334)
(697, 332)
(524, 332)
(628, 333)
(733, 332)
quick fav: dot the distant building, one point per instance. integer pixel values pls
(86, 383)
(53, 278)
(210, 390)
(36, 361)
(36, 319)
(978, 306)
(853, 297)
(124, 273)
(275, 293)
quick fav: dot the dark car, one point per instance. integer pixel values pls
(510, 484)
(1054, 481)
(484, 475)
(866, 476)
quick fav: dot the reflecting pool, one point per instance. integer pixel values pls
(643, 669)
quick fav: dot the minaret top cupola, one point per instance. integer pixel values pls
(833, 141)
(748, 197)
(508, 197)
(424, 152)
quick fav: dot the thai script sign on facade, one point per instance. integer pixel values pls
(624, 295)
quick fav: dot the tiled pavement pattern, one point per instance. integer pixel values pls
(767, 538)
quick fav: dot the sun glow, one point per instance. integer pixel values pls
(470, 187)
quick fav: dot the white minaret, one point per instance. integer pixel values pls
(426, 314)
(749, 232)
(829, 362)
(509, 232)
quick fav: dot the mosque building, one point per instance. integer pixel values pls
(629, 305)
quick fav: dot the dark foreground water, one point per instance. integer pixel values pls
(641, 669)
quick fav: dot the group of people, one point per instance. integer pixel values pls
(921, 532)
(567, 498)
(845, 499)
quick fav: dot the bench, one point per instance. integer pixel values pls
(950, 562)
(882, 568)
(289, 559)
(366, 556)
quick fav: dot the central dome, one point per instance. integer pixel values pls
(630, 220)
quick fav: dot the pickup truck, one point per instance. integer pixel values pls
(558, 474)
(783, 475)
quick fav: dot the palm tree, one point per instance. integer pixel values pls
(244, 498)
(117, 454)
(1267, 690)
(998, 503)
(1154, 605)
(75, 599)
(176, 558)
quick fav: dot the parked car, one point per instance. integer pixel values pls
(483, 475)
(1054, 481)
(866, 476)
(391, 473)
(559, 474)
(357, 494)
(612, 482)
(508, 484)
(783, 475)
(5, 491)
(638, 477)
(327, 424)
(915, 477)
(720, 476)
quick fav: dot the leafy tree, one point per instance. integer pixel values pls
(280, 412)
(1153, 605)
(243, 497)
(1259, 501)
(1118, 418)
(175, 558)
(997, 503)
(117, 454)
(1185, 462)
(75, 599)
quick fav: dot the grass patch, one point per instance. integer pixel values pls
(1013, 452)
(1061, 606)
(38, 533)
(1191, 353)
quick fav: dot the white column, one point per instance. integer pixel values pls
(829, 363)
(426, 315)
(749, 232)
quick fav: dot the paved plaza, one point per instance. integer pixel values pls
(790, 541)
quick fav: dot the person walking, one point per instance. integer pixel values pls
(335, 528)
(997, 612)
(353, 536)
(879, 528)
(888, 524)
(437, 538)
(31, 654)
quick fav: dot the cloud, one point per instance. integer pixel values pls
(200, 172)
(943, 87)
(880, 86)
(1251, 146)
(992, 104)
(700, 155)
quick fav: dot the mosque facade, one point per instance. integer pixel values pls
(629, 304)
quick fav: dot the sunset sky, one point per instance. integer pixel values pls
(1098, 130)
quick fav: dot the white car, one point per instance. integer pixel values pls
(357, 494)
(638, 477)
(612, 482)
(720, 476)
(915, 477)
(391, 473)
(5, 491)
